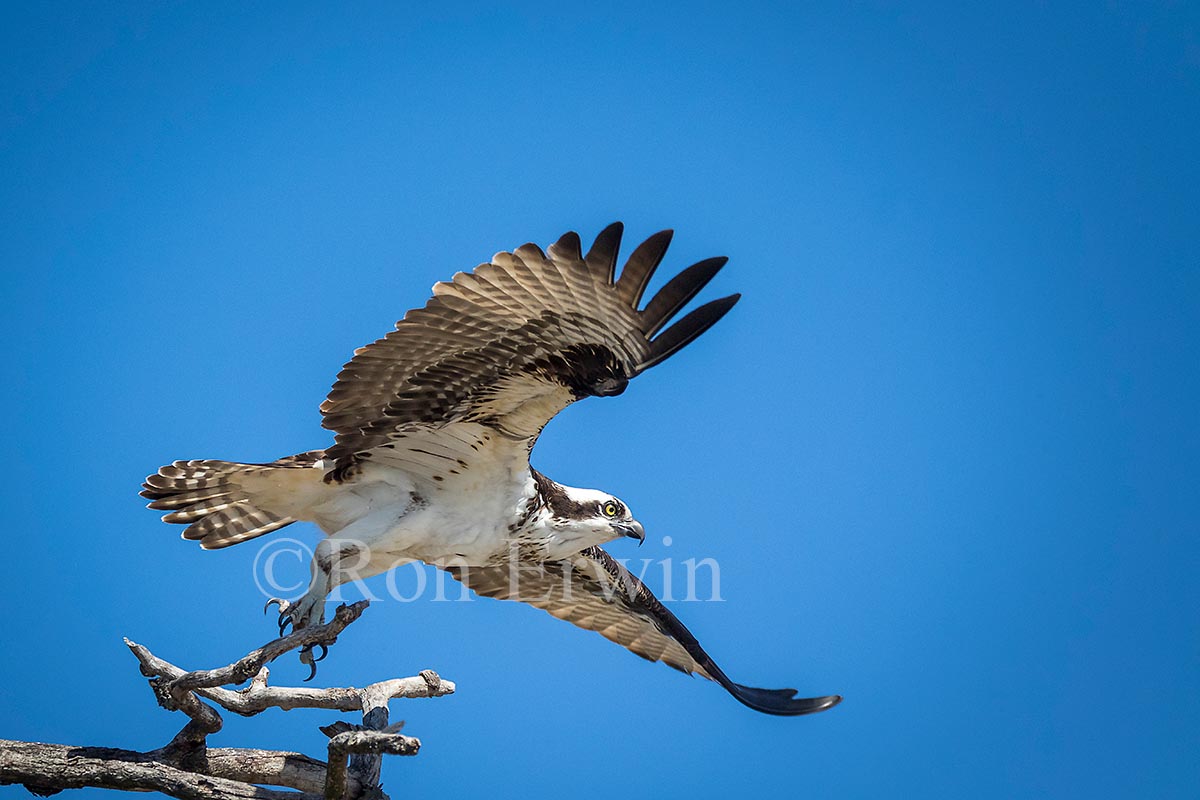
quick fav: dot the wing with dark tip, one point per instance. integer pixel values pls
(513, 342)
(596, 593)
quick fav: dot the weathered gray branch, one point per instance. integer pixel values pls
(187, 768)
(274, 768)
(248, 665)
(46, 769)
(370, 743)
(368, 760)
(258, 696)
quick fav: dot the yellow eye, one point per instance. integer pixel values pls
(610, 509)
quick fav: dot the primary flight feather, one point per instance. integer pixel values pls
(433, 425)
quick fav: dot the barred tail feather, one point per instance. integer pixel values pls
(217, 499)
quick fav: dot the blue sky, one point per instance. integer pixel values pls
(945, 449)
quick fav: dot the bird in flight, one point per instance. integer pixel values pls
(433, 426)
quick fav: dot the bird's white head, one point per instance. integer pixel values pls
(574, 519)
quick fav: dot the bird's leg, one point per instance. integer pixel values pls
(337, 560)
(309, 610)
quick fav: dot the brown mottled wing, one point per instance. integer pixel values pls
(597, 593)
(515, 341)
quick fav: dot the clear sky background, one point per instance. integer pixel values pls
(945, 450)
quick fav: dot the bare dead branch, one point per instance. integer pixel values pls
(365, 742)
(273, 768)
(46, 769)
(248, 665)
(368, 763)
(259, 696)
(187, 768)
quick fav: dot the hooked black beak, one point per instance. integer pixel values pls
(633, 530)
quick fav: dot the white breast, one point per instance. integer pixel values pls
(440, 496)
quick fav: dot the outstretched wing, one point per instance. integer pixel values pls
(513, 342)
(597, 593)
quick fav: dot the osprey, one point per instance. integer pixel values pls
(433, 428)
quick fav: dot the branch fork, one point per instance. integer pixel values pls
(186, 767)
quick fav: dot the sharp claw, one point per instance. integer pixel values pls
(324, 652)
(276, 601)
(306, 657)
(285, 613)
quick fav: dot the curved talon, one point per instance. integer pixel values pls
(324, 652)
(277, 601)
(285, 613)
(306, 657)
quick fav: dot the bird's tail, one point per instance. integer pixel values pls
(224, 502)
